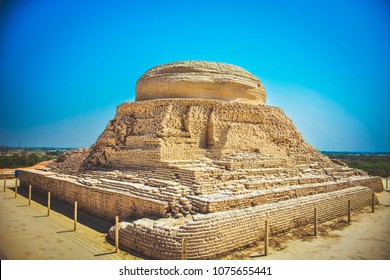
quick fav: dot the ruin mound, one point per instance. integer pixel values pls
(202, 157)
(200, 80)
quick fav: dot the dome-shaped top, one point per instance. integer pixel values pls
(201, 80)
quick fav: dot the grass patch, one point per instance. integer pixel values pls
(373, 164)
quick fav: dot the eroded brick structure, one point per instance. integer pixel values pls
(200, 156)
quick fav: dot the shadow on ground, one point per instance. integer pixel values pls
(65, 209)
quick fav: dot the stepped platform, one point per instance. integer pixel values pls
(200, 156)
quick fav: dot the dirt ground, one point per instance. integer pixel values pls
(26, 232)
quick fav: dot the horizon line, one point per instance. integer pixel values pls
(74, 148)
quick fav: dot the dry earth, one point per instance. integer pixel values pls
(26, 232)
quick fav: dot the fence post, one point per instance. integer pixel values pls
(48, 203)
(349, 211)
(315, 222)
(5, 182)
(75, 216)
(16, 189)
(184, 249)
(387, 184)
(266, 232)
(116, 233)
(373, 202)
(29, 194)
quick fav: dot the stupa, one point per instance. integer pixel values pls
(200, 156)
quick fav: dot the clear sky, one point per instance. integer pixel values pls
(65, 65)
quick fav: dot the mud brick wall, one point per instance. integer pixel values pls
(375, 183)
(192, 128)
(95, 200)
(218, 202)
(216, 234)
(124, 158)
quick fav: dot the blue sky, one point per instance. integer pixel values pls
(66, 65)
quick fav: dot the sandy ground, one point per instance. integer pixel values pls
(366, 238)
(26, 232)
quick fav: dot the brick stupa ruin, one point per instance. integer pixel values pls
(200, 156)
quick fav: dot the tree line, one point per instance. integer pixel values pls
(23, 159)
(375, 165)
